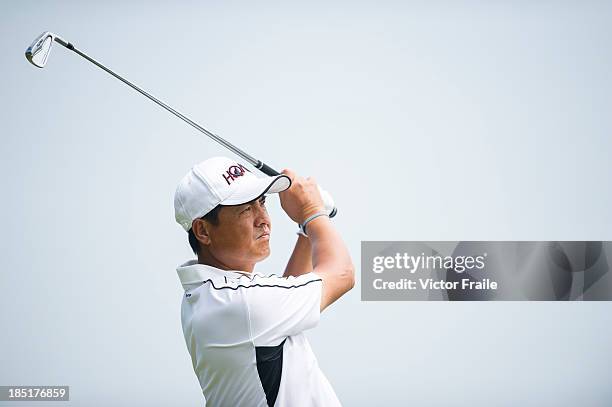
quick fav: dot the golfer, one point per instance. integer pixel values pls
(245, 329)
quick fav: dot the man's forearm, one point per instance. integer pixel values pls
(300, 261)
(331, 260)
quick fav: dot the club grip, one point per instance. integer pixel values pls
(267, 170)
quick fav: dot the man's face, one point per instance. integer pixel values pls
(242, 235)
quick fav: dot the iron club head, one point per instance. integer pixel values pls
(38, 52)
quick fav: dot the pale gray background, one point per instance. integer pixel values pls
(426, 121)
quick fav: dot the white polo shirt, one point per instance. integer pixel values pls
(244, 332)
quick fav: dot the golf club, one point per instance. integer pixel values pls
(38, 54)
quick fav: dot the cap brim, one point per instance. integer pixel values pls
(256, 188)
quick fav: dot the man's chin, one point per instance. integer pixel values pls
(264, 254)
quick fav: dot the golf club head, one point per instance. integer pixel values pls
(38, 52)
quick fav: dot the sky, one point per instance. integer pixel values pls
(466, 120)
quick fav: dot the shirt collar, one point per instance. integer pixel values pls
(193, 272)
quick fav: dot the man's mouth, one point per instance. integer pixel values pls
(264, 235)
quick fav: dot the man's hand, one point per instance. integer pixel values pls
(302, 199)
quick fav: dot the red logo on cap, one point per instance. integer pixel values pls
(234, 172)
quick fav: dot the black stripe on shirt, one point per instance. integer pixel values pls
(259, 285)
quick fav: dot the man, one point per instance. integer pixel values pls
(244, 329)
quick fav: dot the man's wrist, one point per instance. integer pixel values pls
(310, 212)
(312, 218)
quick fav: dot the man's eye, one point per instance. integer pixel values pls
(248, 208)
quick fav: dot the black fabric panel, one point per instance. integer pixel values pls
(270, 369)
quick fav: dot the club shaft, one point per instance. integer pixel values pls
(261, 166)
(253, 161)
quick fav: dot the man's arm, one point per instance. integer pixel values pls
(330, 257)
(300, 261)
(331, 260)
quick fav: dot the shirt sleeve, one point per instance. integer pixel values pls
(279, 307)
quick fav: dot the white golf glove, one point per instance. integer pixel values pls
(328, 201)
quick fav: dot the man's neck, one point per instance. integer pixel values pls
(210, 260)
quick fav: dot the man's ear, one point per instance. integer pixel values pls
(201, 230)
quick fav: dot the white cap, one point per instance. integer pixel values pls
(220, 181)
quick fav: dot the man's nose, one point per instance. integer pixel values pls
(262, 216)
